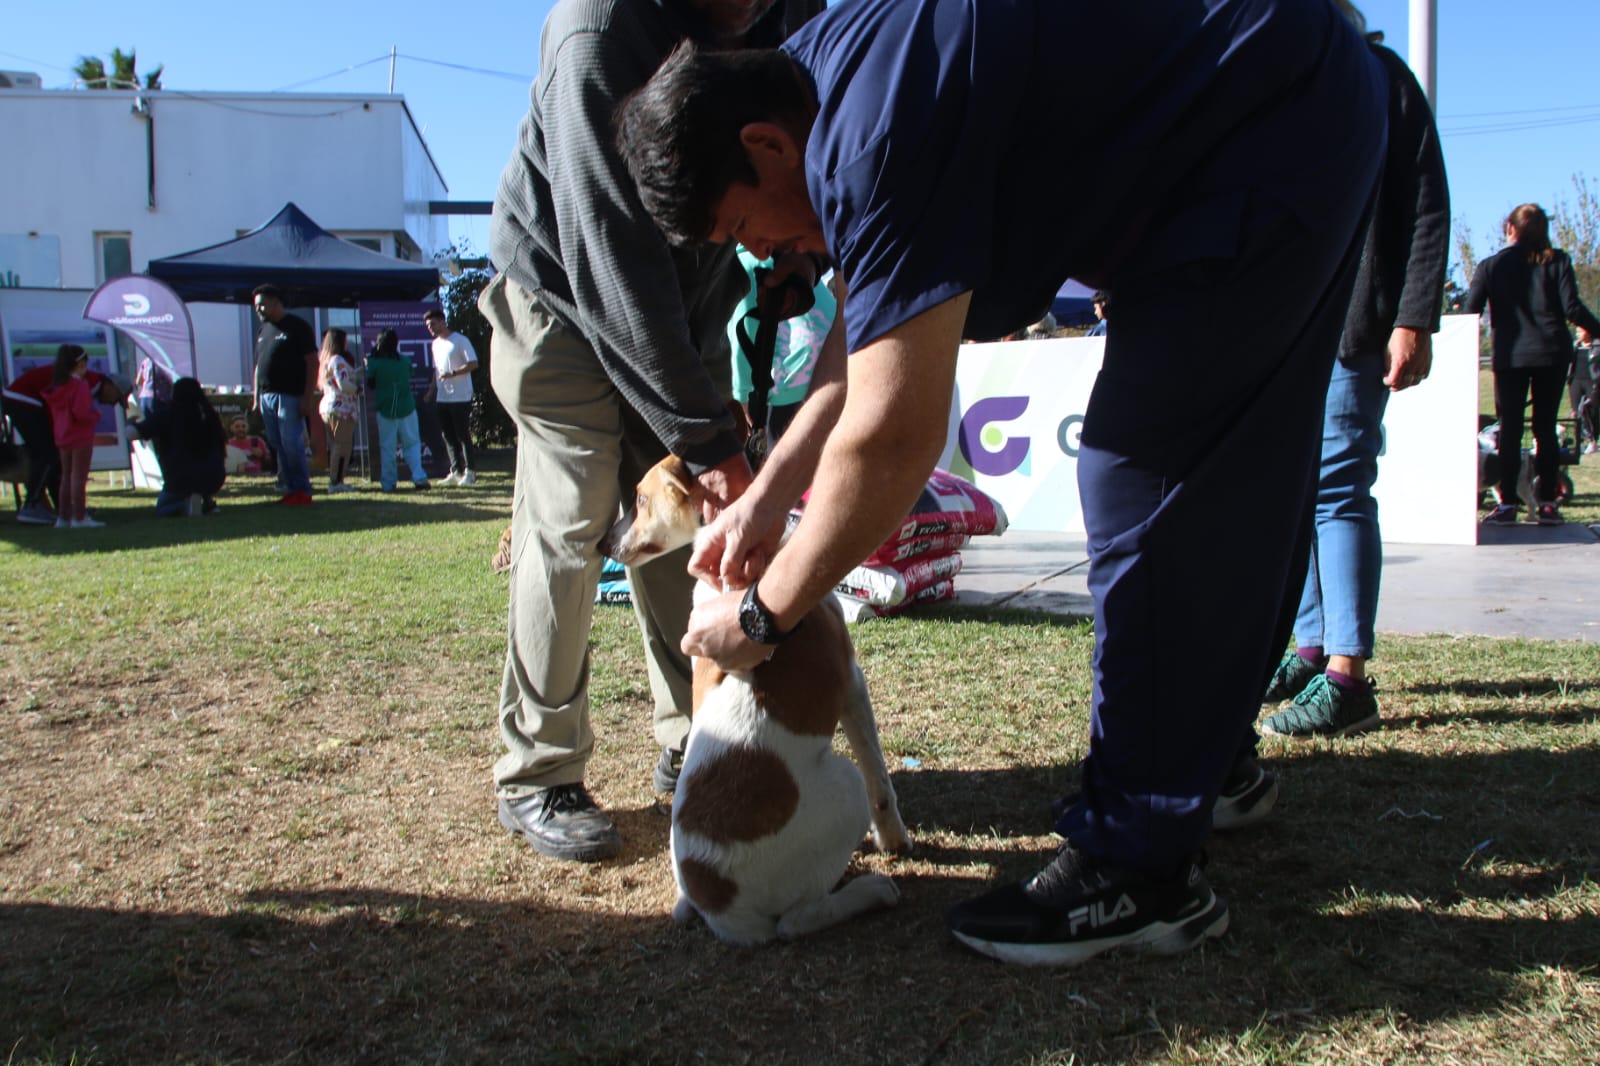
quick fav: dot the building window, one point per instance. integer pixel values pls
(114, 255)
(371, 244)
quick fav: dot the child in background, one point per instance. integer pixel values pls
(73, 418)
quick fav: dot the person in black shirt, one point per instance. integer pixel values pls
(188, 438)
(286, 385)
(1531, 294)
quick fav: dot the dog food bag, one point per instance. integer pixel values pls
(891, 584)
(949, 510)
(860, 611)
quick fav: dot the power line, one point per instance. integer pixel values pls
(335, 74)
(511, 75)
(1515, 127)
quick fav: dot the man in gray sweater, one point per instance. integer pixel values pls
(609, 350)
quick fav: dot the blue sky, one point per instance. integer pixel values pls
(1518, 80)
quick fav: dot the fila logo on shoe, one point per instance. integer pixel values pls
(1099, 913)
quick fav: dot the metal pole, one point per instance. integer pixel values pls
(391, 71)
(1424, 43)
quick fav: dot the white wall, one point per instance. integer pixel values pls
(1427, 488)
(224, 164)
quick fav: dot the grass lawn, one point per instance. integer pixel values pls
(247, 816)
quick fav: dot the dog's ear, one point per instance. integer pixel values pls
(676, 473)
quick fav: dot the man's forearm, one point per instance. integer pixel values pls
(875, 463)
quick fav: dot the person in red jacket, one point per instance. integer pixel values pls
(73, 418)
(23, 401)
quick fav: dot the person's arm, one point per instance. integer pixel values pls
(1478, 292)
(469, 353)
(622, 272)
(874, 465)
(1427, 201)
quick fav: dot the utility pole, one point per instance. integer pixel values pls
(392, 50)
(1424, 43)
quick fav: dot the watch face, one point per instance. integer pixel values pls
(753, 620)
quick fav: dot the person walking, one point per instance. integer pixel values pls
(389, 375)
(1531, 294)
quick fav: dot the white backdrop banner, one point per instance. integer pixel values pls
(1018, 410)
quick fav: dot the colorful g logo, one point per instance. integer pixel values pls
(983, 445)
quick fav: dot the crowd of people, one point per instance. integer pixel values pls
(53, 409)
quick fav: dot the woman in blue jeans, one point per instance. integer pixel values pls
(389, 374)
(1387, 346)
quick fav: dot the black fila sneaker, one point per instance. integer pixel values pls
(1076, 908)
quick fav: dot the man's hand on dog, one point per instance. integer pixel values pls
(735, 548)
(714, 633)
(723, 483)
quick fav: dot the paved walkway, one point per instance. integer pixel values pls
(1522, 581)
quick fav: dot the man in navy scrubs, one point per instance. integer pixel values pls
(1235, 149)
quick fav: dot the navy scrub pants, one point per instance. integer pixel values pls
(1197, 475)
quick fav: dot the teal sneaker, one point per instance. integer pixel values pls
(1325, 710)
(1290, 678)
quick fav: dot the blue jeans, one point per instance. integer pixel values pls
(285, 428)
(1339, 605)
(410, 441)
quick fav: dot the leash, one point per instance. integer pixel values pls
(774, 304)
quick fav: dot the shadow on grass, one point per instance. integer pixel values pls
(254, 511)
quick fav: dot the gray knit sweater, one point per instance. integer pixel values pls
(569, 227)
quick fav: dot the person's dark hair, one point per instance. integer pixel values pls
(1531, 227)
(387, 345)
(268, 289)
(195, 427)
(432, 313)
(68, 356)
(678, 134)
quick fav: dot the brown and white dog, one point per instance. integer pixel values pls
(766, 815)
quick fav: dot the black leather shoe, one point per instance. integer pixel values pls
(562, 822)
(668, 767)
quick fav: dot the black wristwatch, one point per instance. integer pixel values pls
(757, 622)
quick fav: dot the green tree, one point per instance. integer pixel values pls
(1575, 228)
(491, 426)
(124, 72)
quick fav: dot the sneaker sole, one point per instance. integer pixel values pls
(568, 852)
(1157, 938)
(1368, 723)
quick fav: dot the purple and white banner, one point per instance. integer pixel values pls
(152, 315)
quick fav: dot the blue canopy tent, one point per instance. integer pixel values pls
(1072, 305)
(312, 267)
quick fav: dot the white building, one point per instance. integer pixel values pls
(99, 182)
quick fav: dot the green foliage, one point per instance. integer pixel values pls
(1575, 228)
(124, 72)
(491, 426)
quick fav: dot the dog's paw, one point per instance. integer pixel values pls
(890, 837)
(882, 889)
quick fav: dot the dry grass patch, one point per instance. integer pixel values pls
(246, 819)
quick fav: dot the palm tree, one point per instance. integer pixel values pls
(91, 70)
